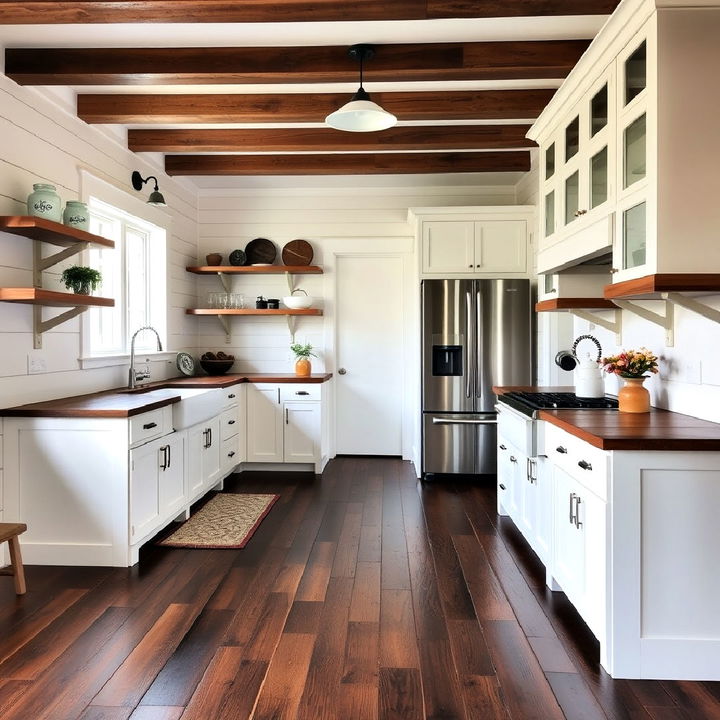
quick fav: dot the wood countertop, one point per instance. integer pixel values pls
(119, 403)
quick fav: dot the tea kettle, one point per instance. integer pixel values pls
(588, 373)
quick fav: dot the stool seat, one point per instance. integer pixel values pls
(9, 533)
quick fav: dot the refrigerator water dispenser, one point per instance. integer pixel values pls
(447, 360)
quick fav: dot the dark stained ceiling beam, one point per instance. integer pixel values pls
(305, 107)
(407, 63)
(357, 164)
(451, 137)
(248, 11)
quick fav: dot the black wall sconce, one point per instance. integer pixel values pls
(156, 197)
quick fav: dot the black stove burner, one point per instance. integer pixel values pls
(529, 402)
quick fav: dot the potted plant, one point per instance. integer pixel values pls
(81, 280)
(303, 366)
(631, 365)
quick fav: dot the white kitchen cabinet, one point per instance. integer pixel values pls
(474, 241)
(264, 424)
(301, 433)
(629, 182)
(203, 456)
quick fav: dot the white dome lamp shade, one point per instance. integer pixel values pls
(361, 114)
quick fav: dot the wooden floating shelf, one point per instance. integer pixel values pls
(650, 286)
(250, 270)
(50, 298)
(48, 231)
(557, 304)
(252, 311)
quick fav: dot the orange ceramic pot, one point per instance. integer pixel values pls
(633, 397)
(303, 367)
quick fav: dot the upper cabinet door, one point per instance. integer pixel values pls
(448, 246)
(501, 246)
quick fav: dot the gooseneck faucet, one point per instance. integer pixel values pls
(134, 376)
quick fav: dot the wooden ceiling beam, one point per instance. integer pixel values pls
(451, 137)
(356, 164)
(308, 107)
(24, 12)
(241, 65)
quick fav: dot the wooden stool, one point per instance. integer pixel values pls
(10, 532)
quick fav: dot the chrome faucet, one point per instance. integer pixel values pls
(134, 375)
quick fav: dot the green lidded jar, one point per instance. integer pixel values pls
(76, 215)
(45, 202)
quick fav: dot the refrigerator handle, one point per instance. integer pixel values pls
(470, 350)
(479, 345)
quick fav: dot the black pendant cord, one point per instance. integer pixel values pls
(361, 72)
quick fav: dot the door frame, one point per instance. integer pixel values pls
(410, 371)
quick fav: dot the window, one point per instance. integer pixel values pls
(134, 275)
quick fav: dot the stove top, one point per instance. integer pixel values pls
(529, 402)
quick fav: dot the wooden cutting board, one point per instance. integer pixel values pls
(297, 252)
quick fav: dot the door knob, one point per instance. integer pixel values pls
(342, 371)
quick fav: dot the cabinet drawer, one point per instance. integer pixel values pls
(229, 423)
(516, 428)
(231, 395)
(299, 392)
(229, 453)
(150, 425)
(585, 463)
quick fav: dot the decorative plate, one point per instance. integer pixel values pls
(185, 363)
(260, 250)
(237, 257)
(297, 252)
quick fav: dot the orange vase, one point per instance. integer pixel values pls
(633, 397)
(303, 367)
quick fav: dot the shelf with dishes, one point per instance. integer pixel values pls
(74, 241)
(252, 311)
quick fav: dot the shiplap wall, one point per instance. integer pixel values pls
(41, 143)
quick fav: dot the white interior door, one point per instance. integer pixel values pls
(370, 351)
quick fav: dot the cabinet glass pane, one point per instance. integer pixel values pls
(599, 111)
(634, 151)
(572, 139)
(550, 213)
(635, 73)
(599, 178)
(572, 186)
(548, 283)
(550, 162)
(634, 236)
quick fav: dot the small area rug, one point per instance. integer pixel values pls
(227, 521)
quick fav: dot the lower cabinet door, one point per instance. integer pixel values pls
(196, 441)
(171, 478)
(544, 507)
(264, 424)
(301, 437)
(211, 453)
(145, 463)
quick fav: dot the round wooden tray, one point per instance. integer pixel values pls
(260, 250)
(297, 252)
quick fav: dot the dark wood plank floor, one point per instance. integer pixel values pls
(364, 595)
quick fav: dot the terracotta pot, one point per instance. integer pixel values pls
(303, 367)
(633, 397)
(213, 258)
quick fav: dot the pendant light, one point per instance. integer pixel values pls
(156, 197)
(361, 114)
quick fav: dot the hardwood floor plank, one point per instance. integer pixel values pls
(157, 712)
(574, 697)
(400, 694)
(242, 694)
(359, 701)
(106, 713)
(552, 655)
(10, 692)
(361, 654)
(695, 696)
(346, 556)
(269, 628)
(469, 649)
(398, 646)
(483, 697)
(304, 617)
(370, 549)
(313, 584)
(365, 604)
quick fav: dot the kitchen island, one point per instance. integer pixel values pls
(622, 509)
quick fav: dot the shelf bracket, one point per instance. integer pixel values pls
(290, 282)
(225, 280)
(614, 325)
(693, 305)
(226, 326)
(43, 263)
(666, 321)
(291, 327)
(41, 326)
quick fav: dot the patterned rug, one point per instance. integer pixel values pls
(227, 521)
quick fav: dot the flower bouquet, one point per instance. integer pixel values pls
(632, 365)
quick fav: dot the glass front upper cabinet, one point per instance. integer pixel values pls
(599, 111)
(599, 178)
(634, 151)
(550, 162)
(572, 139)
(572, 197)
(636, 73)
(634, 236)
(550, 213)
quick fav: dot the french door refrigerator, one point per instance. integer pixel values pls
(475, 334)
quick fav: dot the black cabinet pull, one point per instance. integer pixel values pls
(231, 396)
(169, 455)
(502, 447)
(502, 487)
(561, 450)
(210, 434)
(513, 458)
(231, 422)
(302, 392)
(585, 465)
(231, 454)
(149, 426)
(164, 462)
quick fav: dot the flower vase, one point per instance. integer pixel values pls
(633, 397)
(303, 367)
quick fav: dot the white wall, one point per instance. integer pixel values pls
(39, 142)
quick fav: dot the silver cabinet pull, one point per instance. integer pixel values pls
(585, 465)
(342, 371)
(572, 516)
(444, 421)
(578, 500)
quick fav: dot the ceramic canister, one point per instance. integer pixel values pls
(76, 215)
(45, 202)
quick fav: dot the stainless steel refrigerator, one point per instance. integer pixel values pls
(475, 334)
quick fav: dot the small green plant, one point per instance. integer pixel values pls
(81, 280)
(302, 350)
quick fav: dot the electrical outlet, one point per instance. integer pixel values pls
(36, 363)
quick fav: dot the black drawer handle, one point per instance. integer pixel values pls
(585, 465)
(302, 392)
(561, 450)
(231, 422)
(231, 396)
(230, 454)
(149, 426)
(502, 487)
(513, 458)
(502, 447)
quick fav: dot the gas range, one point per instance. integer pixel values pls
(528, 403)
